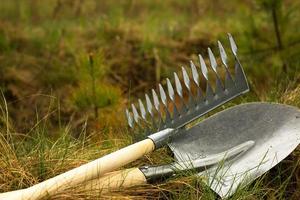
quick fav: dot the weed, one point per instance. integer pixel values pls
(93, 92)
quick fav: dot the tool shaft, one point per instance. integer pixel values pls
(114, 180)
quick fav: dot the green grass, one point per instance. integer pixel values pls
(59, 111)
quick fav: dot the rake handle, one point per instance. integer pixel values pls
(83, 173)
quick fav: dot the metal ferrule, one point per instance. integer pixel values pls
(160, 173)
(157, 173)
(162, 137)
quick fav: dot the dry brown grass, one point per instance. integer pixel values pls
(43, 134)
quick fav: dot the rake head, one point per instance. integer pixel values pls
(169, 113)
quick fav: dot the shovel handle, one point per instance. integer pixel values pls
(83, 173)
(115, 180)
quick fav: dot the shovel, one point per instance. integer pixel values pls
(159, 123)
(235, 147)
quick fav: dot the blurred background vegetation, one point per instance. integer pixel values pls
(68, 68)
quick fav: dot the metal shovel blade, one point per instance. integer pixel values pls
(274, 128)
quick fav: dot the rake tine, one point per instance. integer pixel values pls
(129, 118)
(228, 79)
(203, 67)
(179, 92)
(136, 118)
(186, 81)
(223, 54)
(209, 91)
(150, 108)
(234, 52)
(135, 114)
(186, 78)
(163, 96)
(219, 87)
(164, 101)
(155, 100)
(239, 72)
(196, 80)
(149, 105)
(172, 98)
(212, 59)
(194, 73)
(232, 45)
(142, 109)
(170, 90)
(144, 116)
(157, 107)
(178, 86)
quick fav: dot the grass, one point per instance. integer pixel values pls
(59, 111)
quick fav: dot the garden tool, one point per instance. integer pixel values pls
(158, 123)
(228, 150)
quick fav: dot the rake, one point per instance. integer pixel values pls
(159, 123)
(159, 117)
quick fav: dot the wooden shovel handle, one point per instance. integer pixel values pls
(115, 180)
(83, 173)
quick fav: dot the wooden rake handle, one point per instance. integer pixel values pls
(83, 173)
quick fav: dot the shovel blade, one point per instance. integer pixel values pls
(275, 129)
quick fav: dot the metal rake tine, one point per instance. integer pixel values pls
(186, 81)
(144, 116)
(240, 78)
(136, 118)
(178, 86)
(142, 109)
(203, 67)
(195, 75)
(172, 97)
(223, 54)
(208, 92)
(179, 92)
(150, 108)
(228, 79)
(186, 78)
(155, 100)
(157, 107)
(164, 101)
(212, 59)
(163, 96)
(135, 114)
(170, 90)
(232, 44)
(129, 119)
(149, 105)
